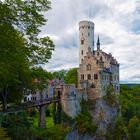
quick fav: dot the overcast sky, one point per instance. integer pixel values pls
(116, 21)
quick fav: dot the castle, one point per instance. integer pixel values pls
(97, 69)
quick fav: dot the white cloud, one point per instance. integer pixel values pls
(116, 21)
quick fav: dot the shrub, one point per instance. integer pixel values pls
(84, 123)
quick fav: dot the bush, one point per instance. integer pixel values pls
(84, 122)
(67, 120)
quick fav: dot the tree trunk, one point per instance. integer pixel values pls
(4, 98)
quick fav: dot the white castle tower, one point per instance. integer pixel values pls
(86, 38)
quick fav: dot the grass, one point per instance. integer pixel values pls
(49, 121)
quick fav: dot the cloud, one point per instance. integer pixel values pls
(117, 23)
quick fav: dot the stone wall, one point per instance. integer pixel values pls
(71, 98)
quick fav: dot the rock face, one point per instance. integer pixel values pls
(75, 135)
(103, 115)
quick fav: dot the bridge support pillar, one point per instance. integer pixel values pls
(42, 116)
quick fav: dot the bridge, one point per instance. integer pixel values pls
(40, 105)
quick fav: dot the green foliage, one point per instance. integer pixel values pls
(121, 130)
(56, 132)
(3, 134)
(20, 46)
(18, 126)
(71, 77)
(130, 101)
(110, 97)
(134, 128)
(111, 100)
(59, 74)
(83, 121)
(67, 120)
(39, 78)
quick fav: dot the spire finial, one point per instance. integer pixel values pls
(98, 43)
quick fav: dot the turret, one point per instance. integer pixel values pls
(98, 43)
(86, 38)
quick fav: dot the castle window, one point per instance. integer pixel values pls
(88, 33)
(101, 58)
(88, 27)
(95, 76)
(82, 42)
(82, 76)
(82, 52)
(89, 76)
(92, 86)
(88, 67)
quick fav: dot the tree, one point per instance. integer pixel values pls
(39, 78)
(59, 74)
(20, 45)
(13, 61)
(133, 127)
(26, 17)
(71, 77)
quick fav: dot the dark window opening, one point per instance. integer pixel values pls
(82, 76)
(101, 58)
(95, 76)
(82, 52)
(82, 42)
(89, 76)
(92, 86)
